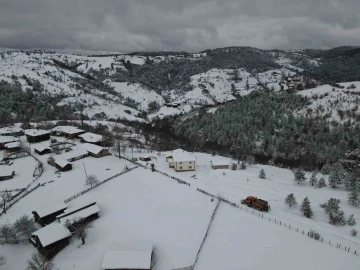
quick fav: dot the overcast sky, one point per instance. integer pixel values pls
(190, 25)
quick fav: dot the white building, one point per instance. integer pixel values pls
(181, 161)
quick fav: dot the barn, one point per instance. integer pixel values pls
(95, 150)
(62, 165)
(89, 137)
(5, 140)
(50, 239)
(75, 155)
(13, 147)
(48, 213)
(37, 135)
(67, 131)
(128, 258)
(42, 150)
(180, 161)
(6, 174)
(220, 164)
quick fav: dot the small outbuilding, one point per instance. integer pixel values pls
(95, 150)
(48, 213)
(67, 131)
(87, 214)
(5, 140)
(181, 161)
(50, 239)
(145, 158)
(74, 155)
(37, 135)
(89, 137)
(6, 173)
(126, 258)
(220, 164)
(62, 165)
(11, 131)
(13, 147)
(42, 150)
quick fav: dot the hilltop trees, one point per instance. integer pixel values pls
(305, 208)
(337, 175)
(299, 176)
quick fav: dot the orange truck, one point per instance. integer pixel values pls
(256, 203)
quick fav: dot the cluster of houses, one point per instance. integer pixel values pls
(59, 223)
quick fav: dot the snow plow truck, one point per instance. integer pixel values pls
(256, 203)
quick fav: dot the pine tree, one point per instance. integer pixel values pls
(305, 208)
(321, 183)
(336, 176)
(262, 174)
(353, 185)
(299, 176)
(332, 208)
(351, 220)
(313, 180)
(290, 200)
(354, 232)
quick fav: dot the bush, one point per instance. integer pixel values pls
(234, 166)
(314, 235)
(354, 232)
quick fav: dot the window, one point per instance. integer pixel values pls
(190, 162)
(180, 162)
(190, 167)
(180, 168)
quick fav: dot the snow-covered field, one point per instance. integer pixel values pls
(147, 207)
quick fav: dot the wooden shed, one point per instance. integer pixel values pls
(37, 135)
(67, 131)
(6, 173)
(48, 213)
(145, 158)
(93, 138)
(62, 165)
(5, 140)
(220, 164)
(11, 131)
(42, 150)
(50, 239)
(13, 147)
(95, 150)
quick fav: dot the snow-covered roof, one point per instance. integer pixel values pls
(220, 163)
(92, 148)
(62, 163)
(67, 129)
(36, 132)
(87, 212)
(128, 258)
(180, 155)
(75, 208)
(12, 145)
(73, 154)
(91, 137)
(52, 233)
(6, 130)
(48, 209)
(7, 139)
(6, 171)
(41, 147)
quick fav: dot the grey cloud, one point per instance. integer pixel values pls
(191, 25)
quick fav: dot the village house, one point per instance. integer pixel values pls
(11, 131)
(62, 165)
(50, 239)
(6, 173)
(89, 137)
(180, 161)
(5, 140)
(126, 258)
(42, 149)
(74, 155)
(95, 150)
(13, 147)
(73, 216)
(220, 164)
(67, 131)
(48, 213)
(37, 135)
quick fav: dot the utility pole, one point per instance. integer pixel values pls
(85, 169)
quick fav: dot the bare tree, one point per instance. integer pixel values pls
(118, 139)
(2, 260)
(81, 228)
(91, 180)
(24, 225)
(39, 262)
(6, 197)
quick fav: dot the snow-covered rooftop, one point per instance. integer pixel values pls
(91, 137)
(67, 129)
(220, 163)
(48, 209)
(52, 233)
(180, 155)
(36, 132)
(75, 208)
(92, 148)
(41, 147)
(12, 145)
(6, 171)
(62, 163)
(6, 130)
(7, 139)
(128, 258)
(87, 212)
(73, 154)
